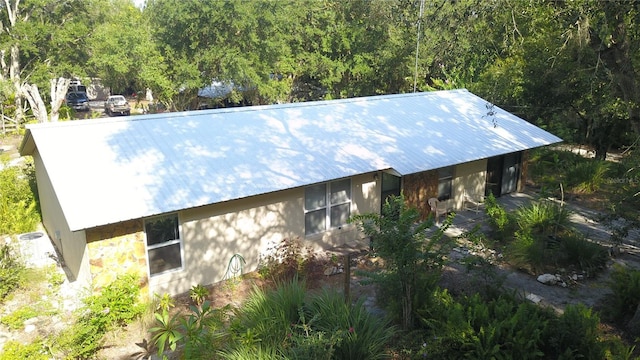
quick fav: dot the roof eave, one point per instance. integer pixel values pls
(27, 146)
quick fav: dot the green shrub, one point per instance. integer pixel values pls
(543, 217)
(35, 350)
(625, 297)
(575, 334)
(577, 252)
(15, 320)
(198, 294)
(365, 335)
(19, 211)
(286, 260)
(501, 222)
(587, 176)
(12, 270)
(530, 252)
(267, 315)
(116, 305)
(199, 331)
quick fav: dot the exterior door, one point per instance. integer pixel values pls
(390, 186)
(503, 173)
(494, 176)
(510, 173)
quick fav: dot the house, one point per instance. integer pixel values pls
(175, 196)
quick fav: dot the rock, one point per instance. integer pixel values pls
(29, 328)
(534, 298)
(332, 270)
(548, 279)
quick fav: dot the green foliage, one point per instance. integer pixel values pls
(363, 334)
(303, 325)
(11, 270)
(574, 334)
(587, 176)
(198, 294)
(399, 237)
(116, 305)
(15, 320)
(286, 260)
(501, 222)
(543, 217)
(508, 328)
(36, 350)
(578, 252)
(280, 306)
(19, 211)
(625, 297)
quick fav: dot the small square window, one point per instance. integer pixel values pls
(164, 246)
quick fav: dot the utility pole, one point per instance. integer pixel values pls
(415, 76)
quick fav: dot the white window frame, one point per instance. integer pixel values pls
(328, 206)
(179, 241)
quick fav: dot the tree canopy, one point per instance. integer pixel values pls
(570, 67)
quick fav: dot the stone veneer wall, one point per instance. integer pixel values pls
(418, 188)
(118, 249)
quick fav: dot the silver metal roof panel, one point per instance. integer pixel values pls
(111, 170)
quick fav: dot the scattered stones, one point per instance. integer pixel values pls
(534, 298)
(548, 279)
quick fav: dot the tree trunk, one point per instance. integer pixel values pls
(407, 307)
(14, 74)
(38, 108)
(58, 91)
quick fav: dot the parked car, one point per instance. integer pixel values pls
(78, 101)
(117, 105)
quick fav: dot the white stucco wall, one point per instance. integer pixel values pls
(471, 177)
(249, 227)
(71, 245)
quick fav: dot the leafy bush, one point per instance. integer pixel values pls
(15, 320)
(200, 331)
(116, 305)
(576, 251)
(575, 335)
(19, 211)
(625, 285)
(198, 294)
(286, 260)
(543, 217)
(11, 270)
(501, 222)
(530, 252)
(411, 258)
(14, 350)
(289, 321)
(476, 329)
(364, 335)
(587, 175)
(267, 315)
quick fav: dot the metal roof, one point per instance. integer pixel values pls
(111, 170)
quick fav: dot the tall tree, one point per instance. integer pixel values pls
(44, 38)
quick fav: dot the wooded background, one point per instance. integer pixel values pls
(568, 66)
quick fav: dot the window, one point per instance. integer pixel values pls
(445, 179)
(164, 246)
(326, 206)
